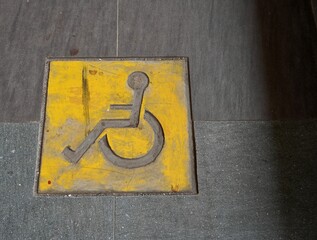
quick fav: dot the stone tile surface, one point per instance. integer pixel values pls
(249, 60)
(256, 181)
(32, 30)
(24, 216)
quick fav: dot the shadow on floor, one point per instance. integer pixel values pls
(289, 43)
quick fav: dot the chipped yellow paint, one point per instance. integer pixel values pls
(71, 112)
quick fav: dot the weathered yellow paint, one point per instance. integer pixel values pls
(71, 113)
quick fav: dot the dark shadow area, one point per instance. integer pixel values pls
(314, 9)
(289, 44)
(295, 149)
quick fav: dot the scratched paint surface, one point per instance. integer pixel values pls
(79, 95)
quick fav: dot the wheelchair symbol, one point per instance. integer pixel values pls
(138, 82)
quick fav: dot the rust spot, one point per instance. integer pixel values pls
(47, 130)
(175, 188)
(100, 73)
(74, 51)
(93, 72)
(49, 182)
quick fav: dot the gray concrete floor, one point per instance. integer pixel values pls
(256, 181)
(249, 60)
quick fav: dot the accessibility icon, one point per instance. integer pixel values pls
(138, 81)
(116, 126)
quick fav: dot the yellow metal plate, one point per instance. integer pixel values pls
(79, 93)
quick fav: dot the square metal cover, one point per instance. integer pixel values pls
(116, 126)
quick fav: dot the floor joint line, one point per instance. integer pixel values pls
(117, 42)
(114, 220)
(114, 217)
